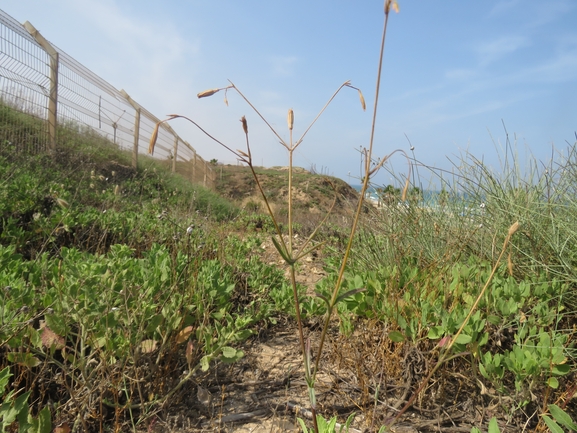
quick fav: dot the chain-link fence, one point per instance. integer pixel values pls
(38, 79)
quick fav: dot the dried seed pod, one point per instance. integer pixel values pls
(207, 93)
(290, 119)
(189, 351)
(244, 124)
(391, 4)
(513, 228)
(153, 138)
(62, 203)
(362, 98)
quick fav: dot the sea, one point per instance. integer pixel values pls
(430, 197)
(430, 200)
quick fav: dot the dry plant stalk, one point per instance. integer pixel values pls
(285, 248)
(444, 356)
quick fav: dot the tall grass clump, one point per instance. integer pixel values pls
(541, 196)
(424, 265)
(470, 211)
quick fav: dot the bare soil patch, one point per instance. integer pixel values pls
(266, 391)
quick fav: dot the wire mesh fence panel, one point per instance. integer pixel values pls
(24, 84)
(87, 100)
(44, 92)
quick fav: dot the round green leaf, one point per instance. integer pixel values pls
(463, 339)
(553, 382)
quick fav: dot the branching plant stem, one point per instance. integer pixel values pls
(285, 248)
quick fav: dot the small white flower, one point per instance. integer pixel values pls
(482, 205)
(189, 230)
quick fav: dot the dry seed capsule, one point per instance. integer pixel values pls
(206, 93)
(290, 119)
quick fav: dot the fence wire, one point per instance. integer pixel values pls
(83, 100)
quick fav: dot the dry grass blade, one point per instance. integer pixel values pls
(405, 189)
(154, 136)
(361, 97)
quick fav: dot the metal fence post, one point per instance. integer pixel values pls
(175, 153)
(136, 139)
(53, 98)
(205, 172)
(194, 168)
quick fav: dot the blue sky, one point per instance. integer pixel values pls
(454, 71)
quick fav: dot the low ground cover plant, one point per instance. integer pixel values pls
(117, 289)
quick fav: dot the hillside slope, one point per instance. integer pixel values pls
(313, 194)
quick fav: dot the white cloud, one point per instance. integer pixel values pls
(561, 68)
(491, 51)
(147, 57)
(534, 14)
(283, 65)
